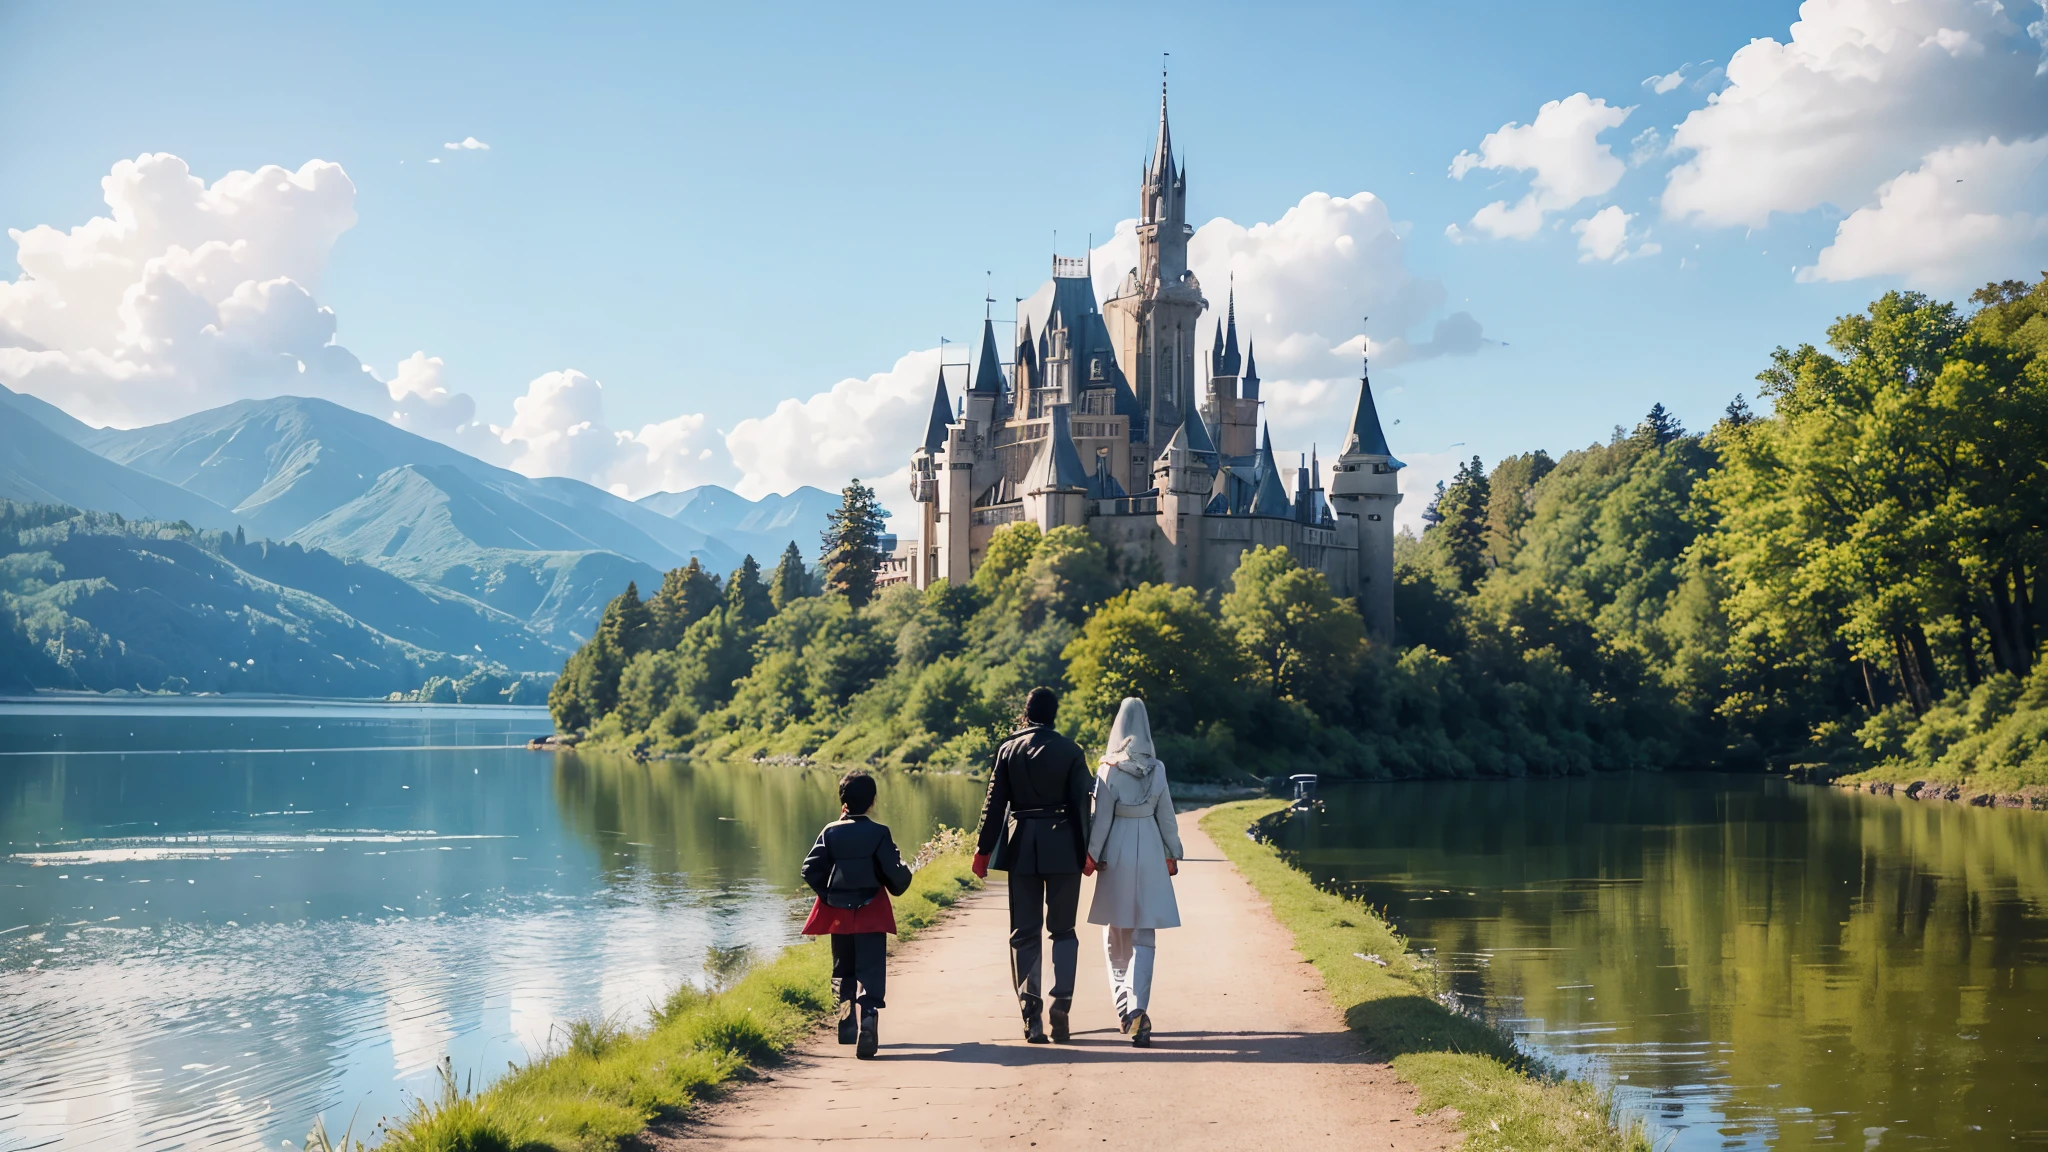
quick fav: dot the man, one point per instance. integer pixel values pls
(1035, 823)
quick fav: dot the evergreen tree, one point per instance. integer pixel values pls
(1462, 530)
(853, 549)
(687, 593)
(747, 597)
(1659, 427)
(1737, 413)
(1510, 501)
(789, 580)
(628, 622)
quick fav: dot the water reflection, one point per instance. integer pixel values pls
(207, 941)
(1751, 963)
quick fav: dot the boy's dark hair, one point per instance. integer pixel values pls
(857, 791)
(1042, 706)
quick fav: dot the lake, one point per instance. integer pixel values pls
(1748, 962)
(219, 918)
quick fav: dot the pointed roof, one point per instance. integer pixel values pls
(1271, 497)
(1248, 386)
(1232, 360)
(1366, 439)
(1198, 438)
(942, 415)
(988, 374)
(1161, 171)
(1104, 485)
(1058, 466)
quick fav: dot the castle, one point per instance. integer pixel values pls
(1098, 425)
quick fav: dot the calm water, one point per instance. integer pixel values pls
(217, 920)
(1749, 963)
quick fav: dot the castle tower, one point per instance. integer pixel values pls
(1056, 489)
(1152, 317)
(1364, 488)
(1234, 414)
(1183, 474)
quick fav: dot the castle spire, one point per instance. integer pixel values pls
(1367, 438)
(1232, 361)
(988, 375)
(942, 415)
(1161, 172)
(1248, 387)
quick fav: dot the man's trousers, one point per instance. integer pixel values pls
(860, 958)
(1043, 903)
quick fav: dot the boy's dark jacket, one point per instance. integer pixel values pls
(853, 860)
(1035, 819)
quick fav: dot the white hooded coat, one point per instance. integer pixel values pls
(1134, 831)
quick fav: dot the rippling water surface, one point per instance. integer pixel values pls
(1749, 963)
(218, 920)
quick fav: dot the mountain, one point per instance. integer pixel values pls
(94, 601)
(47, 414)
(761, 527)
(38, 467)
(551, 551)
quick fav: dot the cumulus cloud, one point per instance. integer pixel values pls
(860, 426)
(1605, 236)
(1860, 92)
(467, 144)
(1562, 148)
(559, 429)
(1967, 214)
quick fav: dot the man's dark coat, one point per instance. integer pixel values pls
(1036, 817)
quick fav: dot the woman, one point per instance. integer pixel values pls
(1134, 848)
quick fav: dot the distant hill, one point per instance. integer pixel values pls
(91, 600)
(551, 551)
(761, 527)
(38, 467)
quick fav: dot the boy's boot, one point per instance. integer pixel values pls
(870, 1034)
(1058, 1017)
(849, 1026)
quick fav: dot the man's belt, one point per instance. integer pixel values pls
(1039, 813)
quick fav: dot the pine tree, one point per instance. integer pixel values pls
(628, 622)
(853, 548)
(1659, 427)
(746, 596)
(1463, 529)
(687, 593)
(789, 581)
(1738, 412)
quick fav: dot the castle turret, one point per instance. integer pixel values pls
(1364, 488)
(1057, 486)
(1152, 317)
(985, 390)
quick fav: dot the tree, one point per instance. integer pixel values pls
(1461, 530)
(1162, 645)
(789, 580)
(628, 622)
(1510, 500)
(747, 596)
(687, 593)
(852, 538)
(1010, 549)
(1303, 642)
(1659, 427)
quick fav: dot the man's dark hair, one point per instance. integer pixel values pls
(857, 791)
(1042, 706)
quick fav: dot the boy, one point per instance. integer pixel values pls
(854, 868)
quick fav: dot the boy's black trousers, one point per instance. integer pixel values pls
(860, 958)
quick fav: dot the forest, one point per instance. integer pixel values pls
(1846, 577)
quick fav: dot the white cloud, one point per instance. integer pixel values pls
(468, 144)
(1700, 74)
(861, 426)
(1605, 236)
(1561, 146)
(1967, 214)
(559, 429)
(1860, 92)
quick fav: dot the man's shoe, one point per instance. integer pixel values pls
(1058, 1018)
(1141, 1031)
(870, 1034)
(1034, 1031)
(849, 1025)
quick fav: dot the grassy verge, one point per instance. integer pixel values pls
(606, 1084)
(1454, 1061)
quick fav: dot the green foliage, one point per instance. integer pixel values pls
(1158, 643)
(747, 597)
(789, 580)
(687, 593)
(853, 544)
(1299, 640)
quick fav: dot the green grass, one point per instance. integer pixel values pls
(605, 1083)
(1454, 1061)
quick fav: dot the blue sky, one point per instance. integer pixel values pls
(716, 210)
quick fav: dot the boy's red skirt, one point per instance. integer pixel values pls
(878, 916)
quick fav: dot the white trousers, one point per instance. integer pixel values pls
(1130, 952)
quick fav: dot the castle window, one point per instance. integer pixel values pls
(1095, 368)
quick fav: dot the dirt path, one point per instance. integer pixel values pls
(1247, 1052)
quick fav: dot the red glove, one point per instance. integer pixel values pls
(1172, 866)
(1087, 865)
(981, 866)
